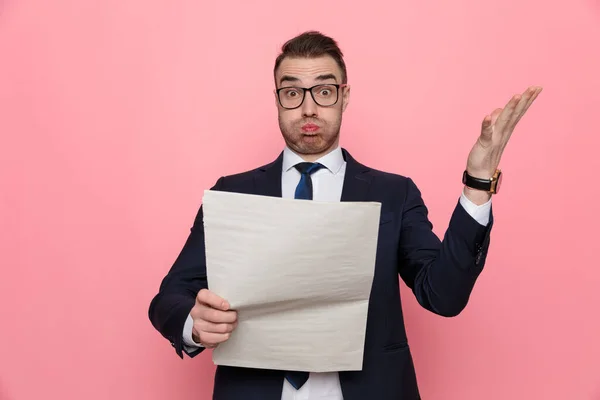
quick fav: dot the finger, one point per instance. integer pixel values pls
(495, 114)
(218, 316)
(487, 130)
(521, 107)
(209, 339)
(207, 297)
(205, 326)
(535, 94)
(507, 113)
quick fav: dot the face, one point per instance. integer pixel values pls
(311, 130)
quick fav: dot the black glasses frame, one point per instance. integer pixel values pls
(310, 89)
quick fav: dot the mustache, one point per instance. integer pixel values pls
(305, 121)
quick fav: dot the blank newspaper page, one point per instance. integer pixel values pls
(299, 274)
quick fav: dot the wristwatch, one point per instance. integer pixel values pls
(491, 185)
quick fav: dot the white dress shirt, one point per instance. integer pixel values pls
(327, 186)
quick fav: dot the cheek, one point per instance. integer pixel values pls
(288, 117)
(331, 116)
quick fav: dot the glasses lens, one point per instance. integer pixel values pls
(291, 97)
(325, 95)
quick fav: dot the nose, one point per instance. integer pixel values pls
(309, 107)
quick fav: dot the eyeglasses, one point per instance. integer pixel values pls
(324, 95)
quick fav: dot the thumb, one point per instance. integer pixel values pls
(486, 131)
(487, 127)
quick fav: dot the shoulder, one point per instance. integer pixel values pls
(388, 177)
(374, 174)
(241, 179)
(393, 185)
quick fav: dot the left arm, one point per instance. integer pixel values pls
(442, 273)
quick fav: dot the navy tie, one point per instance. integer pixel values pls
(304, 190)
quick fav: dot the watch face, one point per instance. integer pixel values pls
(499, 182)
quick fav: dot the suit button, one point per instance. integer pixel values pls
(478, 258)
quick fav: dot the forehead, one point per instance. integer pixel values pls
(307, 69)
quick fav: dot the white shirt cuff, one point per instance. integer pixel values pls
(188, 341)
(481, 213)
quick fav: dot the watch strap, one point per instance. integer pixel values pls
(488, 185)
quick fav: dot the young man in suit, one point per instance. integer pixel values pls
(311, 95)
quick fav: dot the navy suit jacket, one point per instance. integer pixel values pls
(441, 274)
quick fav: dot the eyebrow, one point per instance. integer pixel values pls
(323, 77)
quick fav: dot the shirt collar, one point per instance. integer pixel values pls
(333, 160)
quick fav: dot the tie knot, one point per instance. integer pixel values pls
(308, 168)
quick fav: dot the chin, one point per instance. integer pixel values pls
(316, 149)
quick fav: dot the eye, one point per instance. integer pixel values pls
(324, 91)
(291, 92)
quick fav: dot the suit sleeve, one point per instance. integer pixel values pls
(441, 274)
(170, 308)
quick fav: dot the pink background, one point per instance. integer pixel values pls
(116, 115)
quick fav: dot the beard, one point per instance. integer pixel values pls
(320, 142)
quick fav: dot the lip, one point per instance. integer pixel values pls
(310, 127)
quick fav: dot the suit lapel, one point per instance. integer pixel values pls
(356, 180)
(267, 179)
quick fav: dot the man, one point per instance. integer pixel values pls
(311, 95)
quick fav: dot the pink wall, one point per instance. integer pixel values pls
(116, 115)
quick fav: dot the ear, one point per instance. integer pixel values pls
(345, 97)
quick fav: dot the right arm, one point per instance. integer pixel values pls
(181, 296)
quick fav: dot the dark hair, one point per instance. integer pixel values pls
(312, 44)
